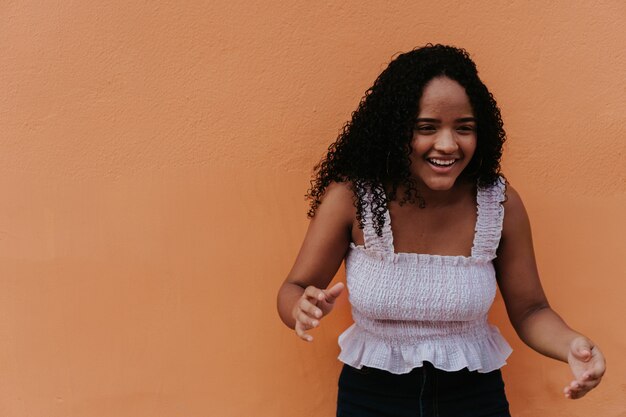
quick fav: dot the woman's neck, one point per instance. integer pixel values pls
(441, 198)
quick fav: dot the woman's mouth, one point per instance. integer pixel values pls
(441, 165)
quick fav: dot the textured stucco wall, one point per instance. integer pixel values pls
(153, 160)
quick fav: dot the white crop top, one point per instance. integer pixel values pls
(409, 308)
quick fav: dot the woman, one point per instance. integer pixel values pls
(411, 196)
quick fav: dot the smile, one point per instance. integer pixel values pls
(441, 162)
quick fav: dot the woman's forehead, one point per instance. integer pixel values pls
(443, 95)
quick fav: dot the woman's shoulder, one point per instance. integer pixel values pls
(338, 199)
(502, 191)
(515, 215)
(341, 192)
(512, 199)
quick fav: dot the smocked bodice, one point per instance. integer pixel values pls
(409, 308)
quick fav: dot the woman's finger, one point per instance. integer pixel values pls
(578, 389)
(588, 385)
(584, 385)
(302, 334)
(581, 347)
(591, 384)
(595, 373)
(306, 321)
(332, 293)
(581, 393)
(309, 308)
(314, 293)
(573, 388)
(574, 393)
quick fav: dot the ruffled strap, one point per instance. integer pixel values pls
(490, 219)
(374, 242)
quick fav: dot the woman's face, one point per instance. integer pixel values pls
(444, 137)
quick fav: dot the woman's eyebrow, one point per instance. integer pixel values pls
(461, 120)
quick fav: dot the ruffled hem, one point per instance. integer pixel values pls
(360, 348)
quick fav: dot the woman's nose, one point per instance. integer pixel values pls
(446, 142)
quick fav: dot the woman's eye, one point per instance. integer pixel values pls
(466, 128)
(426, 128)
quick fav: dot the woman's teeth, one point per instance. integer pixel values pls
(441, 162)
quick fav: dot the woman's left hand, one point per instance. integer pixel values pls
(587, 364)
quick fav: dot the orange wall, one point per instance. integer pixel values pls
(154, 156)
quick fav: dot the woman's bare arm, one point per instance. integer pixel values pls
(302, 299)
(535, 322)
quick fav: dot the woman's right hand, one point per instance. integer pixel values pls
(312, 306)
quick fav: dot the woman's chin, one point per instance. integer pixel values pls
(440, 184)
(440, 187)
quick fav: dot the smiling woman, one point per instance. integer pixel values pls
(444, 139)
(411, 197)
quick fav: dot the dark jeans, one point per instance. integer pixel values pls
(423, 392)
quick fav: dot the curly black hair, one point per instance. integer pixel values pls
(373, 148)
